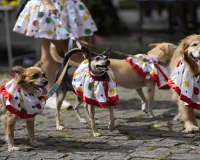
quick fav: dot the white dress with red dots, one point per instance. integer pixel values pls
(95, 91)
(34, 21)
(186, 85)
(149, 69)
(20, 102)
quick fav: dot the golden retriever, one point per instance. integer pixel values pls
(185, 64)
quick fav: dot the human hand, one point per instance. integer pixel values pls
(51, 9)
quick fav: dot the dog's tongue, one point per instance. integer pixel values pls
(198, 62)
(43, 90)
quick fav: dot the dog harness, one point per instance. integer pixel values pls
(186, 85)
(20, 102)
(149, 69)
(95, 91)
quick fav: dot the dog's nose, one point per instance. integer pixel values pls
(108, 62)
(45, 82)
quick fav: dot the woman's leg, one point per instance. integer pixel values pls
(49, 65)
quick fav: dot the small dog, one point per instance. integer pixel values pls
(23, 97)
(184, 80)
(94, 82)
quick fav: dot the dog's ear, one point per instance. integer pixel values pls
(184, 50)
(153, 45)
(86, 53)
(164, 49)
(38, 64)
(107, 52)
(17, 73)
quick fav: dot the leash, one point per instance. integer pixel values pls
(78, 43)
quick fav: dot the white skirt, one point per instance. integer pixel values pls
(35, 22)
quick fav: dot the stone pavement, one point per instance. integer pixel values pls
(136, 136)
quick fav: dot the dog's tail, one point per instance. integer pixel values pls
(55, 55)
(69, 54)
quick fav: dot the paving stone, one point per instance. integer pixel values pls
(184, 157)
(135, 137)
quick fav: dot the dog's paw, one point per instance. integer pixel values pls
(35, 143)
(59, 127)
(151, 115)
(13, 148)
(110, 126)
(82, 120)
(177, 117)
(97, 122)
(96, 134)
(189, 127)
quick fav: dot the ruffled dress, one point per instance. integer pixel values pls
(34, 21)
(20, 102)
(95, 91)
(149, 69)
(186, 85)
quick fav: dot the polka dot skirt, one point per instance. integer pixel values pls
(35, 22)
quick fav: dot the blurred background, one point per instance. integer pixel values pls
(126, 25)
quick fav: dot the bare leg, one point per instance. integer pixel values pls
(92, 121)
(151, 91)
(187, 116)
(76, 109)
(112, 118)
(143, 100)
(49, 65)
(59, 99)
(9, 122)
(30, 128)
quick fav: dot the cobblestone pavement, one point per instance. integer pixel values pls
(136, 136)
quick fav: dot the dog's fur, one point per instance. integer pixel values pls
(24, 79)
(125, 75)
(189, 50)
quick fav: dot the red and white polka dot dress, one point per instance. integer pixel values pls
(22, 103)
(149, 69)
(35, 22)
(186, 85)
(95, 91)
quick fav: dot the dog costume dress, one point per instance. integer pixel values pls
(149, 69)
(95, 91)
(186, 85)
(35, 22)
(20, 102)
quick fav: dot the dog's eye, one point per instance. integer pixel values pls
(35, 76)
(194, 44)
(43, 75)
(97, 58)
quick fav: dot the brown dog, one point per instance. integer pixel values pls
(22, 98)
(187, 56)
(128, 77)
